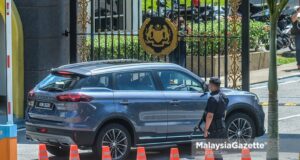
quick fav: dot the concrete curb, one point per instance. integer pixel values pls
(287, 104)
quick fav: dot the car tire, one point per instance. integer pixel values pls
(240, 128)
(121, 144)
(58, 151)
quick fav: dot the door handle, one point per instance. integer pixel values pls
(124, 102)
(174, 102)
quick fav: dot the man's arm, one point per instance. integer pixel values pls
(210, 109)
(208, 120)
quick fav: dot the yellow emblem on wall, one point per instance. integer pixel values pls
(158, 36)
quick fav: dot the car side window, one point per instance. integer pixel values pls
(178, 81)
(135, 81)
(101, 81)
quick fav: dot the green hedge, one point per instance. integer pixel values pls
(131, 48)
(187, 2)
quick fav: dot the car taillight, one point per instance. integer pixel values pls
(31, 93)
(65, 73)
(74, 97)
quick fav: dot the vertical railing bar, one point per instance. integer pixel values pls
(125, 31)
(165, 8)
(152, 7)
(179, 35)
(219, 38)
(185, 32)
(198, 39)
(226, 44)
(158, 7)
(112, 28)
(139, 11)
(152, 14)
(165, 15)
(92, 29)
(212, 40)
(192, 37)
(118, 24)
(205, 42)
(105, 41)
(99, 30)
(132, 52)
(145, 12)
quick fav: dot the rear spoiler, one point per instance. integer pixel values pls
(66, 73)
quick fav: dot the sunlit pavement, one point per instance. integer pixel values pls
(27, 151)
(289, 129)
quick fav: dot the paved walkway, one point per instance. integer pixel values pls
(283, 71)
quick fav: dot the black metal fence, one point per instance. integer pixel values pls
(209, 33)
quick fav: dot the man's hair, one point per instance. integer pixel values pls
(215, 80)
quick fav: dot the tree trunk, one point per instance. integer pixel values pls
(273, 144)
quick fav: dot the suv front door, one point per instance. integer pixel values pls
(187, 100)
(137, 97)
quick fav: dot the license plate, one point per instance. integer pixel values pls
(44, 105)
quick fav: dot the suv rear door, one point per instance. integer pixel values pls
(187, 101)
(137, 97)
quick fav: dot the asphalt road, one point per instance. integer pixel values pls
(289, 130)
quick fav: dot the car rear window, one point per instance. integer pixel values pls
(63, 82)
(58, 82)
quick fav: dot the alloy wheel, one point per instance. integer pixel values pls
(117, 141)
(239, 130)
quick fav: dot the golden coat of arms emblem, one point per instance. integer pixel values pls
(158, 36)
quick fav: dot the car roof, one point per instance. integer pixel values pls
(97, 67)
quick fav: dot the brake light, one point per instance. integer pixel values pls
(74, 97)
(31, 93)
(64, 73)
(43, 130)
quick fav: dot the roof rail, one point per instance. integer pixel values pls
(112, 61)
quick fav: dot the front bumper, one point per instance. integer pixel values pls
(59, 136)
(261, 122)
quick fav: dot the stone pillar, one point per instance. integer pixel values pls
(45, 46)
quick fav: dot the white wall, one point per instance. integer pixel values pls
(2, 59)
(135, 16)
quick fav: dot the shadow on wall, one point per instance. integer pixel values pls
(2, 59)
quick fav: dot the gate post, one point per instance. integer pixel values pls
(245, 9)
(73, 31)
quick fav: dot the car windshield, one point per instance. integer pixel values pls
(58, 83)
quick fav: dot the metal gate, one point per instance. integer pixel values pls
(210, 34)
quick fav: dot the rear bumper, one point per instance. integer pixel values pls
(49, 138)
(59, 137)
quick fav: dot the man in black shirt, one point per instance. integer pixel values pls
(215, 110)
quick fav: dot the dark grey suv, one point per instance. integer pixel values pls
(124, 104)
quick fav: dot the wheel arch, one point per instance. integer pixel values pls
(244, 109)
(119, 120)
